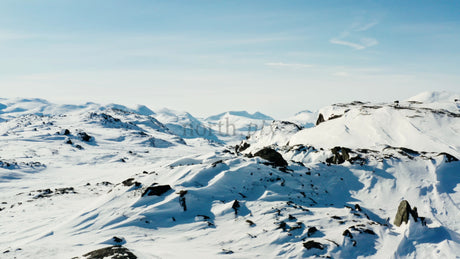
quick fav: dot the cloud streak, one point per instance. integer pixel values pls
(363, 43)
(351, 37)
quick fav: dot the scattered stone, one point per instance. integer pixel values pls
(117, 239)
(84, 136)
(236, 206)
(241, 147)
(283, 225)
(357, 207)
(65, 132)
(311, 231)
(250, 222)
(156, 190)
(79, 147)
(182, 203)
(298, 226)
(313, 244)
(65, 190)
(347, 233)
(216, 163)
(227, 252)
(128, 182)
(116, 252)
(69, 141)
(340, 155)
(272, 156)
(291, 218)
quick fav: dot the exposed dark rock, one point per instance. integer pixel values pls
(117, 239)
(357, 207)
(340, 155)
(347, 233)
(156, 190)
(449, 158)
(369, 231)
(333, 116)
(84, 136)
(291, 218)
(128, 182)
(79, 147)
(66, 132)
(114, 252)
(242, 146)
(69, 141)
(295, 227)
(182, 203)
(65, 190)
(403, 213)
(271, 155)
(311, 231)
(236, 206)
(216, 163)
(283, 225)
(313, 244)
(404, 210)
(227, 252)
(320, 119)
(250, 222)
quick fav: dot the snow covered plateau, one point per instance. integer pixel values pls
(351, 180)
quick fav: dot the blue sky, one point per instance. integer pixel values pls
(277, 57)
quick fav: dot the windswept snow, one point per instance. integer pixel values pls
(79, 178)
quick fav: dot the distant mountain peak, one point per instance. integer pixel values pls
(255, 116)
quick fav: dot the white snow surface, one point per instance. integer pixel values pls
(62, 196)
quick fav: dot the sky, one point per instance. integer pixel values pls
(207, 57)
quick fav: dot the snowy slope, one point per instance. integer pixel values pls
(207, 201)
(374, 126)
(306, 119)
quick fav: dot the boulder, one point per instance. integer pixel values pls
(340, 155)
(117, 251)
(313, 244)
(156, 190)
(271, 155)
(404, 210)
(403, 213)
(84, 136)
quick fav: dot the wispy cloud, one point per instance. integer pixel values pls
(347, 43)
(288, 65)
(363, 43)
(364, 27)
(353, 38)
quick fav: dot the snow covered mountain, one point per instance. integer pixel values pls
(97, 181)
(236, 125)
(185, 125)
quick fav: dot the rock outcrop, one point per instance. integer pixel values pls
(404, 210)
(156, 190)
(272, 156)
